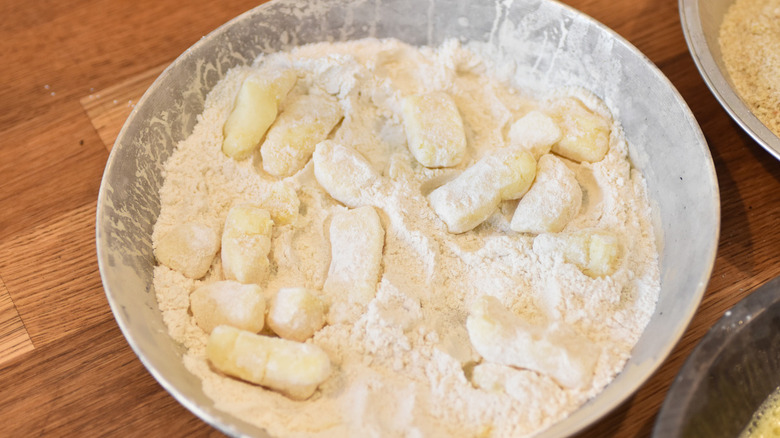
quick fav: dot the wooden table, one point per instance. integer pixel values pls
(70, 74)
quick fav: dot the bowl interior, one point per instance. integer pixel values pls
(730, 373)
(551, 45)
(701, 21)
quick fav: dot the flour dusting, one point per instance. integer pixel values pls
(405, 365)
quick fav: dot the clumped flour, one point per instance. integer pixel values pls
(750, 43)
(405, 367)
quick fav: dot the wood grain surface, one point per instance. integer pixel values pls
(71, 74)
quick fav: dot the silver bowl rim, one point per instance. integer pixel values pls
(717, 80)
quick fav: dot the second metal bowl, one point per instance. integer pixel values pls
(701, 20)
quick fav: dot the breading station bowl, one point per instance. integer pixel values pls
(701, 21)
(732, 370)
(551, 46)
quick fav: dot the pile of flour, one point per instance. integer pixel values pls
(404, 368)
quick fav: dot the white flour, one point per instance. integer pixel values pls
(403, 368)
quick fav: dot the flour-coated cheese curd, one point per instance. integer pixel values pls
(585, 132)
(246, 242)
(230, 303)
(303, 123)
(551, 349)
(535, 132)
(345, 174)
(356, 240)
(188, 248)
(434, 129)
(553, 200)
(472, 196)
(292, 368)
(296, 313)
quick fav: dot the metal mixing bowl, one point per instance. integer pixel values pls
(701, 20)
(553, 46)
(729, 374)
